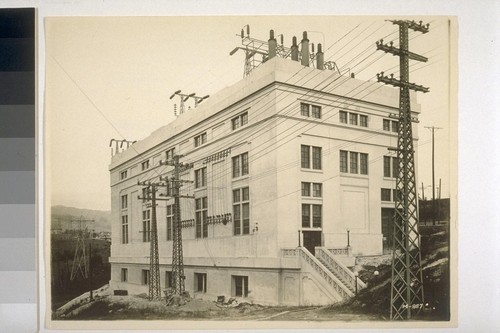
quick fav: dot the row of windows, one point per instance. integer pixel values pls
(239, 283)
(353, 162)
(390, 125)
(310, 110)
(241, 217)
(354, 118)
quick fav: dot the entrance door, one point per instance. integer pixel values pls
(387, 229)
(311, 239)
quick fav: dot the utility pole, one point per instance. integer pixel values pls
(80, 263)
(433, 129)
(154, 257)
(407, 293)
(423, 193)
(90, 265)
(173, 185)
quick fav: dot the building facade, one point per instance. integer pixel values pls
(292, 179)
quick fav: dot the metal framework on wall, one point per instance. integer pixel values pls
(407, 293)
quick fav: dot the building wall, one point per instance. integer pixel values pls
(272, 138)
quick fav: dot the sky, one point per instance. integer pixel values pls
(111, 78)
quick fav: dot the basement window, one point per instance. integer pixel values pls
(145, 276)
(239, 286)
(124, 275)
(200, 282)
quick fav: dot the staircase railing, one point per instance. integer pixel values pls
(323, 271)
(344, 273)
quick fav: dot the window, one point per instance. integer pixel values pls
(124, 275)
(394, 126)
(307, 110)
(304, 109)
(170, 154)
(240, 120)
(201, 213)
(353, 118)
(317, 190)
(363, 120)
(200, 282)
(124, 229)
(304, 157)
(306, 189)
(240, 286)
(316, 111)
(146, 225)
(200, 178)
(387, 166)
(395, 167)
(390, 125)
(145, 276)
(240, 165)
(386, 125)
(316, 216)
(343, 161)
(391, 166)
(363, 163)
(124, 204)
(170, 221)
(169, 279)
(353, 167)
(358, 162)
(123, 174)
(200, 139)
(343, 117)
(305, 154)
(385, 194)
(241, 211)
(145, 165)
(145, 194)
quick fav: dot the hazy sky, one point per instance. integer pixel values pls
(111, 77)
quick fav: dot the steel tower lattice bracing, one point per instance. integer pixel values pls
(154, 262)
(154, 256)
(407, 293)
(80, 262)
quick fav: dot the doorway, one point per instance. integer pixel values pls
(311, 240)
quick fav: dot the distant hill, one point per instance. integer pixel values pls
(62, 216)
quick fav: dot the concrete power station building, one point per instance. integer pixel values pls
(292, 179)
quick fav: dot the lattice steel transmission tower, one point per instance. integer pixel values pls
(407, 293)
(80, 262)
(154, 257)
(173, 185)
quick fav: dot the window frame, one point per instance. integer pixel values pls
(305, 109)
(124, 225)
(305, 189)
(241, 280)
(123, 174)
(311, 157)
(363, 163)
(146, 226)
(200, 178)
(312, 216)
(170, 222)
(124, 201)
(344, 161)
(363, 120)
(317, 188)
(385, 194)
(353, 118)
(240, 165)
(145, 277)
(145, 165)
(200, 139)
(386, 125)
(343, 117)
(124, 274)
(201, 216)
(169, 154)
(197, 281)
(239, 121)
(241, 211)
(316, 111)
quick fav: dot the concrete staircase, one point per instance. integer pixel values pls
(341, 272)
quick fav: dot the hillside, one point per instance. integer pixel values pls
(61, 217)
